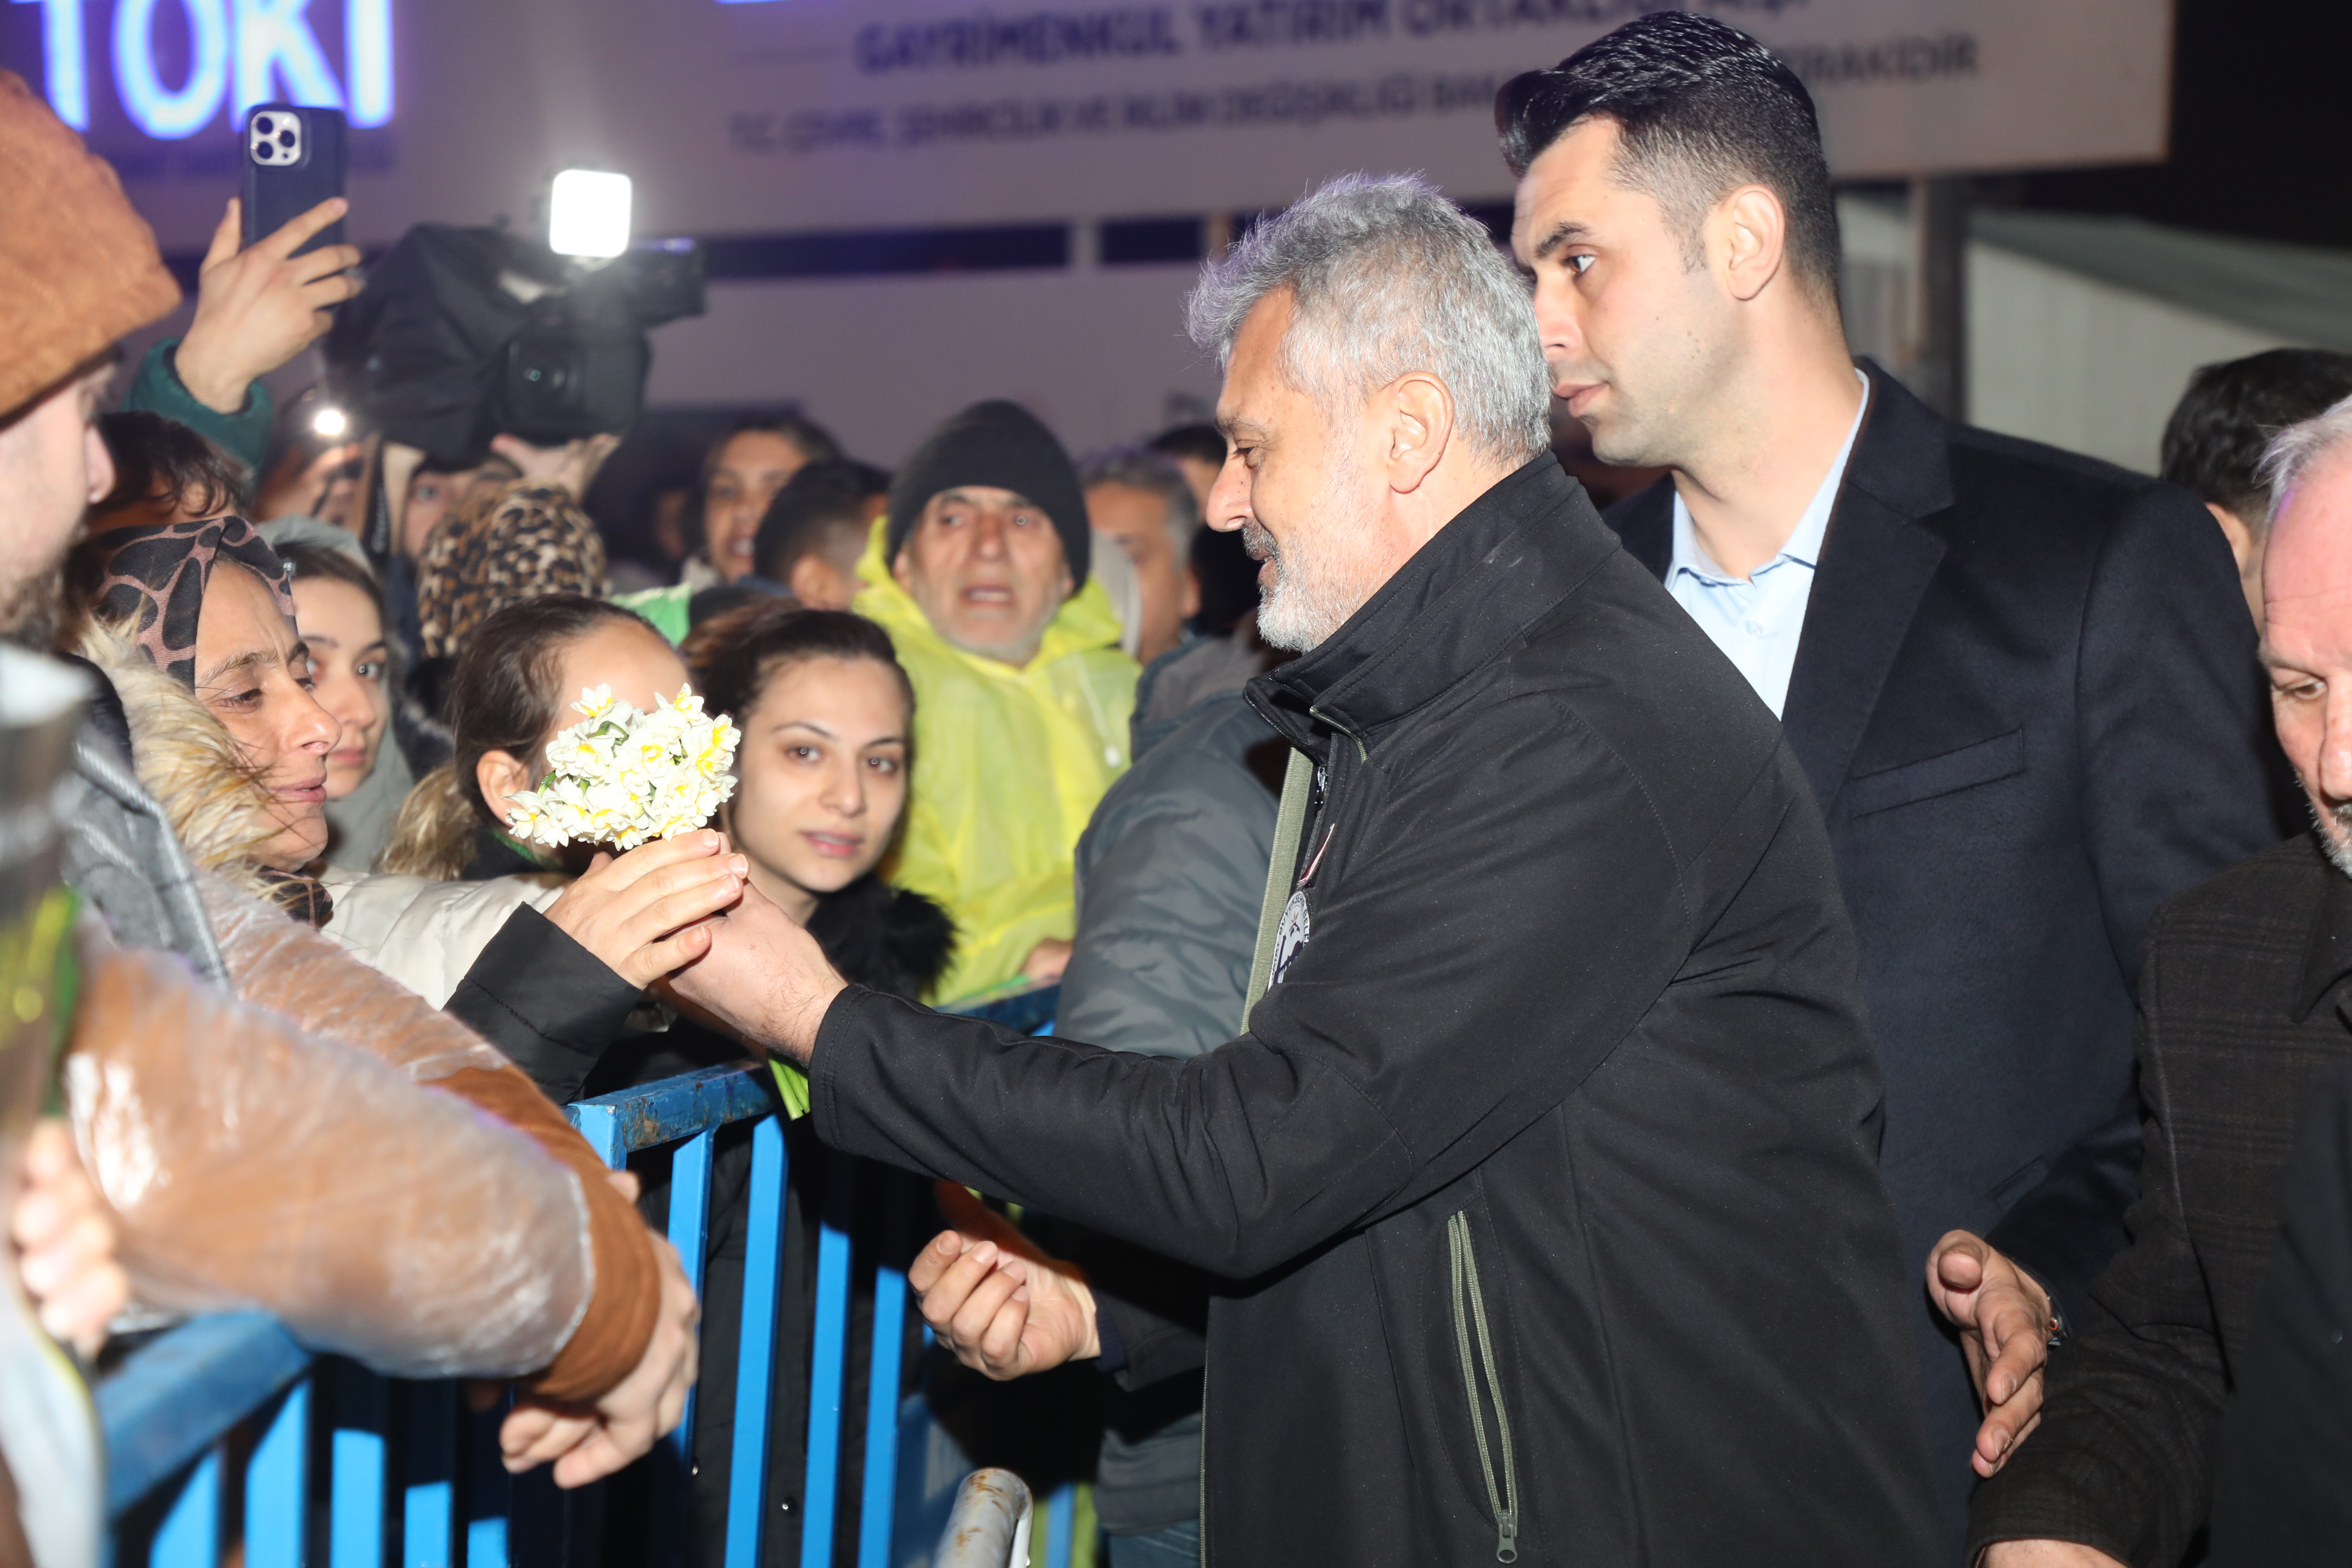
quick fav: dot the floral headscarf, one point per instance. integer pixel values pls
(152, 577)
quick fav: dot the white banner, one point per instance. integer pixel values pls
(785, 115)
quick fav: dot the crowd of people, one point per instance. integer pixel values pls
(1801, 1020)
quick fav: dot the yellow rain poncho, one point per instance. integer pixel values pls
(1009, 764)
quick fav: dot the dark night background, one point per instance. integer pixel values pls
(2259, 130)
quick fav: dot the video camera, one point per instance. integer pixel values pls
(461, 334)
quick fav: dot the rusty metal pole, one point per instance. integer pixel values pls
(1939, 305)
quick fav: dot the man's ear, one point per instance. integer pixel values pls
(1420, 413)
(499, 777)
(1188, 592)
(818, 584)
(2243, 546)
(1747, 234)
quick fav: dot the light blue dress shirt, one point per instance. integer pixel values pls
(1756, 620)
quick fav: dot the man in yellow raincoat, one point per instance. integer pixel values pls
(1021, 695)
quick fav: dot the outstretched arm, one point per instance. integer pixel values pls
(1376, 1072)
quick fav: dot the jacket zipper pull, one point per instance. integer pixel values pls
(1506, 1539)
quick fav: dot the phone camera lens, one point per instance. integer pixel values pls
(285, 138)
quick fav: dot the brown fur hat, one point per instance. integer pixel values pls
(79, 269)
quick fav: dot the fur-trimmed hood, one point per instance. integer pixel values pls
(185, 758)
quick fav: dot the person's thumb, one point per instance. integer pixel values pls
(227, 235)
(1959, 1266)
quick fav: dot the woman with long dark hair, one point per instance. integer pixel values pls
(827, 721)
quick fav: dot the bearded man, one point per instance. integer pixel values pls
(1541, 1189)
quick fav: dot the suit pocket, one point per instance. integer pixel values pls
(1984, 762)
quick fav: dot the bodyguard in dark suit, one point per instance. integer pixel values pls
(2021, 684)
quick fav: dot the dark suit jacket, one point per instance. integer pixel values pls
(2027, 699)
(2242, 1005)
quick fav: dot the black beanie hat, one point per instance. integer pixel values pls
(1004, 447)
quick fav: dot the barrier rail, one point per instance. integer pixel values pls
(224, 1429)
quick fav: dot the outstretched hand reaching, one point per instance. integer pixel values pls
(2004, 1319)
(1002, 1306)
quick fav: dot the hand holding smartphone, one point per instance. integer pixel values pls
(278, 265)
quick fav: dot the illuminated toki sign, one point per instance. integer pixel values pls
(239, 53)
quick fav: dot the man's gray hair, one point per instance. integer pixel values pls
(2292, 452)
(1140, 469)
(1387, 276)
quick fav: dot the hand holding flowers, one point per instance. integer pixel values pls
(642, 781)
(625, 778)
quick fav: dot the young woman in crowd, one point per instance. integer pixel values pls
(825, 712)
(551, 949)
(338, 614)
(739, 477)
(827, 715)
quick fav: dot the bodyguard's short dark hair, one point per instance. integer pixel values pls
(825, 499)
(2213, 442)
(1701, 109)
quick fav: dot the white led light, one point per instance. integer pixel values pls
(588, 214)
(330, 422)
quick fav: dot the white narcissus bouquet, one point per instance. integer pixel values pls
(625, 778)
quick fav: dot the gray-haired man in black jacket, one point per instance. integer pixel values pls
(1541, 1191)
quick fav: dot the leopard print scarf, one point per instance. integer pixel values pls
(152, 578)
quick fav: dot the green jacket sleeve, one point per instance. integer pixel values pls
(156, 389)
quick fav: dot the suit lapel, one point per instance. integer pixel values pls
(1878, 560)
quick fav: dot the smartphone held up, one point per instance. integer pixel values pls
(293, 161)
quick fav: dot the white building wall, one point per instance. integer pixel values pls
(2054, 355)
(1099, 354)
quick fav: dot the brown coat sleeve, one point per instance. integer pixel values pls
(613, 1334)
(289, 968)
(253, 1164)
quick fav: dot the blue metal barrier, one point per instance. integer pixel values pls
(411, 1481)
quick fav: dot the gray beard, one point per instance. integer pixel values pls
(1309, 599)
(2335, 827)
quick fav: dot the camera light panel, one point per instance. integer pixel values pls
(588, 214)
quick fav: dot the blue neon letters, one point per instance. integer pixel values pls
(241, 53)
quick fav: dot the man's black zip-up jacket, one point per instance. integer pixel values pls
(1544, 1184)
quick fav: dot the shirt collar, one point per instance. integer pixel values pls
(1804, 544)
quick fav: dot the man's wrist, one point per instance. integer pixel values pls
(2053, 1321)
(1099, 1345)
(793, 1032)
(222, 390)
